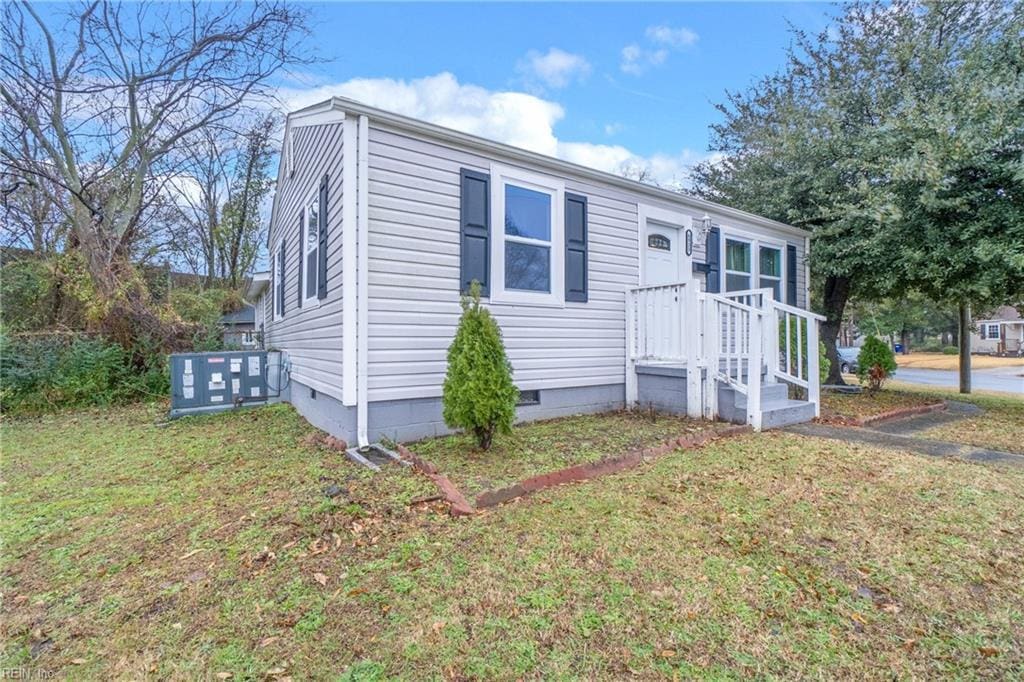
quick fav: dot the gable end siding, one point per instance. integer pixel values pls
(312, 335)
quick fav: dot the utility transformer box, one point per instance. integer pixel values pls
(209, 382)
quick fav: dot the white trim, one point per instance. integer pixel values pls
(349, 263)
(275, 281)
(553, 187)
(314, 300)
(363, 257)
(807, 274)
(548, 163)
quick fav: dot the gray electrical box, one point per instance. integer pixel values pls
(209, 382)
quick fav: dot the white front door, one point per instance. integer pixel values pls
(662, 251)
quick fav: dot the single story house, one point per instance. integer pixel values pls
(1002, 333)
(240, 328)
(608, 292)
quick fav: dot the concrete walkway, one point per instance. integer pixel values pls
(896, 434)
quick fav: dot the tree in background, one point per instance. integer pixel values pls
(478, 392)
(859, 140)
(114, 97)
(238, 235)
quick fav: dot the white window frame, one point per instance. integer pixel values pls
(756, 241)
(988, 331)
(782, 268)
(314, 300)
(752, 252)
(555, 188)
(275, 282)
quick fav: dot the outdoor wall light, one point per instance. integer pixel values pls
(703, 228)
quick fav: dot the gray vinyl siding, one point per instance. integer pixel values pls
(312, 335)
(414, 235)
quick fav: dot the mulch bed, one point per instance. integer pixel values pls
(460, 506)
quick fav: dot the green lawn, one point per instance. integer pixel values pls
(134, 550)
(543, 447)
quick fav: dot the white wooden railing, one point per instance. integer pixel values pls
(794, 358)
(728, 338)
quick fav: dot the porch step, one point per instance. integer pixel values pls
(779, 413)
(777, 409)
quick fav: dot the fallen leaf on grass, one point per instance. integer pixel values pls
(438, 626)
(77, 661)
(223, 676)
(320, 578)
(190, 554)
(988, 651)
(267, 641)
(668, 653)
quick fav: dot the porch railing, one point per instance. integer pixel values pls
(722, 338)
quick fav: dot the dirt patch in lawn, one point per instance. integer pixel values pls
(543, 447)
(865, 407)
(951, 362)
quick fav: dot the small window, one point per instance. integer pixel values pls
(737, 265)
(310, 246)
(770, 271)
(659, 242)
(993, 331)
(531, 397)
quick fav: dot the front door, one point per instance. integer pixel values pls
(661, 264)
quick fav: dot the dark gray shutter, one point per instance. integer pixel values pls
(475, 206)
(713, 249)
(790, 274)
(575, 248)
(982, 330)
(280, 279)
(321, 253)
(302, 256)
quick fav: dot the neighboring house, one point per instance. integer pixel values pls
(240, 328)
(1002, 333)
(598, 283)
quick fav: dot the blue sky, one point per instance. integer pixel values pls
(599, 84)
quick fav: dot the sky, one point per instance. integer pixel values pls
(598, 84)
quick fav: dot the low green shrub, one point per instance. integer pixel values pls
(876, 363)
(478, 394)
(950, 350)
(43, 372)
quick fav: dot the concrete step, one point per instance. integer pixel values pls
(779, 413)
(769, 392)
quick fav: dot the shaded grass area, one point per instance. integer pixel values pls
(840, 406)
(206, 547)
(546, 446)
(1000, 427)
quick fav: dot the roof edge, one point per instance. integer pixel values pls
(350, 106)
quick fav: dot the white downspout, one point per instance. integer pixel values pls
(362, 266)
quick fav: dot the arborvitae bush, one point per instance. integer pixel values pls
(479, 396)
(876, 363)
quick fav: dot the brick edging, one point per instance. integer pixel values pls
(884, 416)
(458, 503)
(580, 472)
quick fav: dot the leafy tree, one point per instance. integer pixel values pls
(875, 363)
(894, 137)
(478, 392)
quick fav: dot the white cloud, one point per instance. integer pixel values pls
(637, 59)
(515, 118)
(554, 69)
(613, 128)
(673, 37)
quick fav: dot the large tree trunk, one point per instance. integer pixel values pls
(965, 348)
(837, 292)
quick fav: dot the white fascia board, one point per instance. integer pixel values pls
(489, 147)
(349, 263)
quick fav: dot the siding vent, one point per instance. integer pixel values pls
(531, 397)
